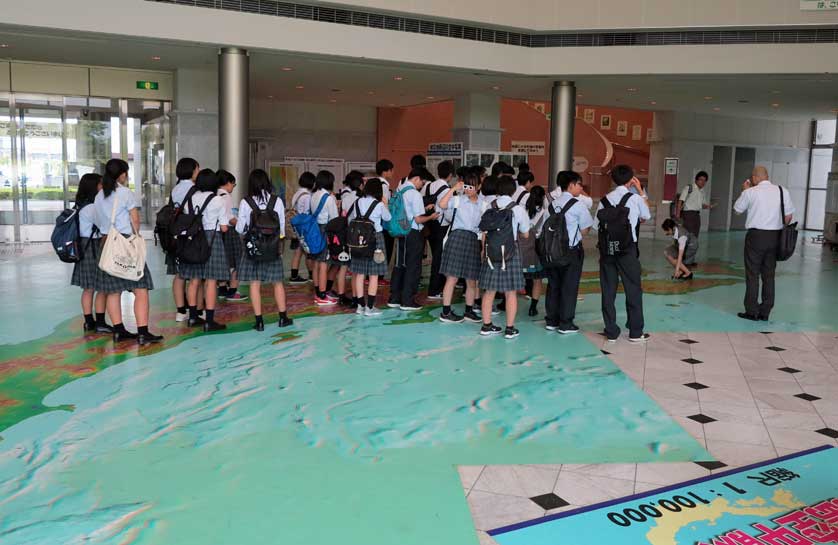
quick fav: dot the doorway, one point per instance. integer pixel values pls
(743, 166)
(720, 188)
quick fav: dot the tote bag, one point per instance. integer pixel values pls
(123, 257)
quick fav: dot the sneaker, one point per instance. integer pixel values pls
(451, 318)
(325, 302)
(580, 298)
(103, 328)
(393, 305)
(360, 310)
(471, 316)
(511, 332)
(222, 293)
(259, 326)
(551, 327)
(568, 330)
(490, 329)
(237, 297)
(641, 339)
(148, 338)
(332, 295)
(284, 322)
(495, 311)
(214, 326)
(372, 311)
(411, 307)
(296, 280)
(383, 282)
(196, 322)
(181, 316)
(436, 297)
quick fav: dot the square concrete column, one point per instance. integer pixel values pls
(477, 121)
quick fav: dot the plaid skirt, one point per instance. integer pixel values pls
(216, 268)
(269, 272)
(233, 247)
(84, 272)
(171, 264)
(503, 280)
(368, 267)
(322, 257)
(461, 255)
(111, 284)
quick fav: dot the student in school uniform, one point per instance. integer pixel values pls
(488, 192)
(260, 189)
(432, 193)
(681, 251)
(408, 267)
(626, 266)
(535, 274)
(301, 204)
(506, 278)
(525, 181)
(323, 187)
(461, 252)
(351, 191)
(187, 170)
(215, 222)
(564, 280)
(116, 201)
(232, 240)
(385, 171)
(373, 268)
(85, 270)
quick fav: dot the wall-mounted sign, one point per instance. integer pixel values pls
(818, 5)
(670, 178)
(148, 85)
(444, 151)
(580, 164)
(530, 148)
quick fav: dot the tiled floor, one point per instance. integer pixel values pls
(746, 397)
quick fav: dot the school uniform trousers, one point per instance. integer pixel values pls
(563, 281)
(692, 221)
(404, 283)
(436, 236)
(216, 268)
(625, 268)
(760, 264)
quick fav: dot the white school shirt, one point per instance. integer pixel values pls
(433, 187)
(262, 201)
(537, 222)
(125, 202)
(215, 214)
(693, 201)
(381, 212)
(638, 209)
(180, 190)
(301, 201)
(518, 190)
(468, 213)
(577, 218)
(762, 203)
(679, 238)
(227, 199)
(520, 218)
(330, 209)
(347, 200)
(486, 201)
(413, 206)
(556, 193)
(87, 219)
(385, 188)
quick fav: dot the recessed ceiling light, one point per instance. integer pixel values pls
(391, 105)
(708, 98)
(155, 58)
(370, 92)
(775, 105)
(287, 69)
(430, 98)
(653, 102)
(398, 78)
(495, 87)
(743, 101)
(579, 95)
(4, 46)
(299, 87)
(717, 109)
(270, 96)
(333, 100)
(632, 89)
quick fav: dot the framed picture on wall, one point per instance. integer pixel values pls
(590, 114)
(622, 128)
(605, 122)
(650, 135)
(472, 159)
(636, 132)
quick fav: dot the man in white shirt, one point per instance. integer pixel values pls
(690, 203)
(431, 195)
(385, 170)
(624, 266)
(760, 199)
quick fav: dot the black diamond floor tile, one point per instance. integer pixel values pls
(688, 341)
(702, 418)
(767, 332)
(775, 348)
(829, 432)
(692, 361)
(807, 397)
(789, 370)
(549, 501)
(711, 465)
(606, 352)
(696, 385)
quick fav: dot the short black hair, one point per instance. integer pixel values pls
(668, 224)
(353, 181)
(382, 166)
(307, 180)
(185, 167)
(445, 169)
(207, 180)
(622, 174)
(525, 177)
(418, 161)
(463, 171)
(421, 172)
(374, 188)
(567, 177)
(478, 170)
(225, 177)
(489, 186)
(702, 174)
(324, 180)
(501, 168)
(259, 184)
(506, 186)
(523, 167)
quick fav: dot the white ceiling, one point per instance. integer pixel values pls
(350, 81)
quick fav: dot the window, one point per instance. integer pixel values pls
(820, 165)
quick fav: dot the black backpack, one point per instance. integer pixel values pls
(336, 232)
(163, 224)
(361, 235)
(554, 244)
(500, 244)
(192, 245)
(262, 239)
(521, 197)
(431, 198)
(673, 205)
(614, 227)
(66, 236)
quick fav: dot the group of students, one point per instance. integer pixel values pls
(481, 229)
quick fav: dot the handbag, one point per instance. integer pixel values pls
(788, 235)
(123, 257)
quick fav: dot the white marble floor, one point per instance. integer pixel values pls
(747, 397)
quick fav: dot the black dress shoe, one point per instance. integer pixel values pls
(259, 326)
(746, 316)
(103, 328)
(195, 322)
(214, 326)
(285, 322)
(119, 336)
(532, 312)
(148, 338)
(89, 328)
(762, 318)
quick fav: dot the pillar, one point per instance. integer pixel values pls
(562, 118)
(477, 121)
(233, 114)
(194, 119)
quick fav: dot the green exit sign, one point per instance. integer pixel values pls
(148, 85)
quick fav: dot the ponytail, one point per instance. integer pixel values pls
(113, 170)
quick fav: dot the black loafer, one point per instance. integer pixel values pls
(762, 318)
(195, 322)
(103, 328)
(214, 326)
(259, 326)
(746, 316)
(148, 338)
(285, 322)
(120, 336)
(89, 328)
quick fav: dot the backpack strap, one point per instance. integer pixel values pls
(782, 206)
(439, 191)
(188, 198)
(521, 197)
(272, 202)
(369, 210)
(206, 203)
(510, 206)
(606, 203)
(568, 205)
(321, 205)
(625, 198)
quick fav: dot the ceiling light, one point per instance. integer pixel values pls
(155, 58)
(708, 98)
(287, 69)
(299, 87)
(495, 87)
(391, 105)
(717, 109)
(653, 103)
(4, 46)
(333, 100)
(579, 95)
(398, 78)
(270, 96)
(775, 105)
(430, 98)
(775, 92)
(370, 93)
(632, 89)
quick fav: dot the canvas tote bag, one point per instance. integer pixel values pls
(123, 257)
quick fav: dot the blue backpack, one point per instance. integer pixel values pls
(399, 224)
(311, 239)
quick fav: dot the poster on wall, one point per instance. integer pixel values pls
(637, 132)
(605, 122)
(650, 135)
(529, 147)
(590, 114)
(364, 167)
(316, 164)
(488, 158)
(818, 5)
(285, 178)
(622, 128)
(444, 151)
